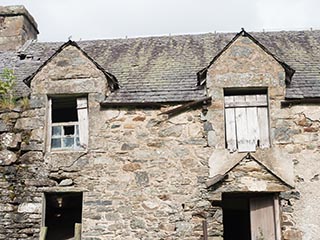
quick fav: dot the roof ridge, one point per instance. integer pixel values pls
(192, 34)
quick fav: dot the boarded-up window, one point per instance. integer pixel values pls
(246, 121)
(68, 118)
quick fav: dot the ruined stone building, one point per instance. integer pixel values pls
(209, 136)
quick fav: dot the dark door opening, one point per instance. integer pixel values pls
(236, 217)
(250, 216)
(62, 212)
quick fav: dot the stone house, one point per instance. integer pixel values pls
(210, 136)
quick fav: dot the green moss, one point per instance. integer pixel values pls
(11, 188)
(26, 135)
(12, 196)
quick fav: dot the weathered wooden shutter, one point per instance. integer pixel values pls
(82, 108)
(230, 124)
(264, 218)
(49, 122)
(246, 119)
(263, 121)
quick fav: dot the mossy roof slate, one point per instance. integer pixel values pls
(164, 69)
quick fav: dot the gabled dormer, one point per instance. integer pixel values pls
(68, 86)
(70, 66)
(242, 55)
(245, 81)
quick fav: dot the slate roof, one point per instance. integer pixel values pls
(164, 69)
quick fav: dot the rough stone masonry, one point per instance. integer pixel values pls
(147, 150)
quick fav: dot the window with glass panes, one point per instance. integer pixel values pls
(68, 123)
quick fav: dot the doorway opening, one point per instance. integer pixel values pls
(250, 216)
(62, 212)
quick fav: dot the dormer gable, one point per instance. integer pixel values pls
(69, 63)
(243, 55)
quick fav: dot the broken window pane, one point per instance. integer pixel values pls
(68, 130)
(65, 136)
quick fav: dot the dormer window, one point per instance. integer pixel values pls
(68, 128)
(246, 120)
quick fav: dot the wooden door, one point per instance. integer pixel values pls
(264, 218)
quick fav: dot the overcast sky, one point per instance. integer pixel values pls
(98, 19)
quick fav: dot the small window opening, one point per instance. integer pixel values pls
(62, 212)
(244, 91)
(250, 216)
(69, 123)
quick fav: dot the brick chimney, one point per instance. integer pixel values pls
(16, 27)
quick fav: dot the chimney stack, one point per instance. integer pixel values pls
(16, 27)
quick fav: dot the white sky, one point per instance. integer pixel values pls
(98, 19)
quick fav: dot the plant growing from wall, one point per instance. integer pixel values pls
(8, 99)
(24, 103)
(7, 82)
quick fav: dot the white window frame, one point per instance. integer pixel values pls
(81, 126)
(246, 122)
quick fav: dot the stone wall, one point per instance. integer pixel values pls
(143, 175)
(293, 132)
(22, 172)
(298, 131)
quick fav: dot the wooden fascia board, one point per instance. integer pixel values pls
(186, 104)
(291, 102)
(184, 107)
